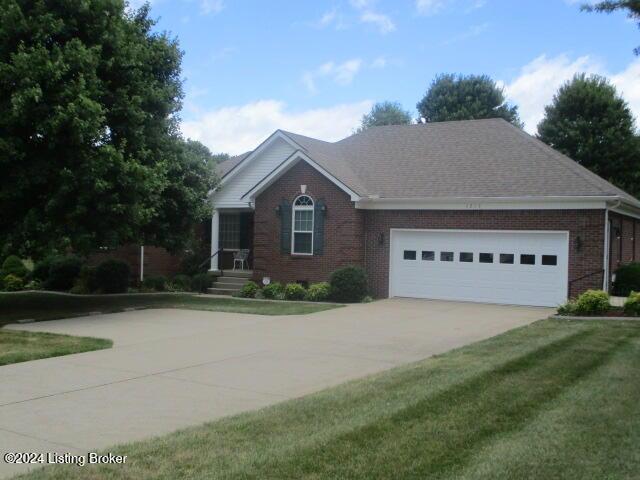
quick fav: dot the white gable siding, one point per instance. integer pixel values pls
(231, 192)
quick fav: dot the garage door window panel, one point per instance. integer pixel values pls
(550, 260)
(466, 257)
(428, 255)
(527, 259)
(409, 255)
(506, 258)
(446, 256)
(486, 258)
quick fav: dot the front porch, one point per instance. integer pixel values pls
(231, 231)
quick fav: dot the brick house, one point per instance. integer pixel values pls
(470, 210)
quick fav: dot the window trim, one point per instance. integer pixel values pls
(298, 208)
(223, 229)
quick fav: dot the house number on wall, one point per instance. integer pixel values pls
(473, 206)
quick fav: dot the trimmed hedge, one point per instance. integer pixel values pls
(249, 290)
(181, 283)
(63, 272)
(112, 276)
(13, 283)
(627, 280)
(294, 291)
(273, 291)
(157, 283)
(318, 292)
(14, 266)
(348, 285)
(632, 305)
(591, 302)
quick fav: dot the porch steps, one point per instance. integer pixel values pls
(230, 282)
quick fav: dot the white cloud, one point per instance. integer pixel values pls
(540, 79)
(341, 73)
(474, 31)
(211, 6)
(237, 129)
(430, 7)
(379, 62)
(328, 18)
(381, 21)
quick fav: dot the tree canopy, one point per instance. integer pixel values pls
(466, 97)
(589, 122)
(90, 149)
(608, 6)
(385, 113)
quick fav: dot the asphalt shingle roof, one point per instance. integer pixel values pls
(461, 159)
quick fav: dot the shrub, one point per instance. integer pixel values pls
(80, 288)
(41, 268)
(318, 292)
(294, 291)
(14, 266)
(63, 272)
(273, 291)
(88, 278)
(348, 284)
(568, 308)
(632, 305)
(249, 290)
(157, 283)
(182, 283)
(13, 283)
(201, 282)
(592, 302)
(112, 276)
(627, 280)
(33, 285)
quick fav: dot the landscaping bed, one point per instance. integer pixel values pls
(49, 306)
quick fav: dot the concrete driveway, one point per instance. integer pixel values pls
(174, 368)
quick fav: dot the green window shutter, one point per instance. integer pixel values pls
(285, 227)
(318, 227)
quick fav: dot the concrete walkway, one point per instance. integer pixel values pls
(170, 369)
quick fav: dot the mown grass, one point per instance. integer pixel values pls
(556, 399)
(18, 346)
(49, 306)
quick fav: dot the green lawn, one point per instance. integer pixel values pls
(48, 306)
(554, 400)
(23, 346)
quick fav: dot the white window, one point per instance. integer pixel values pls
(302, 238)
(230, 231)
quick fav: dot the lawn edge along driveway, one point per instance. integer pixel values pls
(20, 346)
(445, 417)
(38, 306)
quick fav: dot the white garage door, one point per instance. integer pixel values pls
(517, 268)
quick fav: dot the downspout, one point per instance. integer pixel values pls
(141, 263)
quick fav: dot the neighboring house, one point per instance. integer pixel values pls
(470, 210)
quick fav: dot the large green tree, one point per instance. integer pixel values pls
(90, 151)
(466, 97)
(632, 7)
(589, 122)
(385, 113)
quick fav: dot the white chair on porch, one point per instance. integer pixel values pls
(241, 257)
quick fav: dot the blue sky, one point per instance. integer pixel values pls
(315, 67)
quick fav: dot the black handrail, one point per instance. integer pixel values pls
(602, 271)
(209, 259)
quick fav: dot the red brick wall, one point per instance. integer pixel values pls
(625, 247)
(588, 224)
(343, 229)
(157, 260)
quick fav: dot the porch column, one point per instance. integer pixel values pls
(215, 238)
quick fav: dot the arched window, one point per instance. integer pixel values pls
(302, 238)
